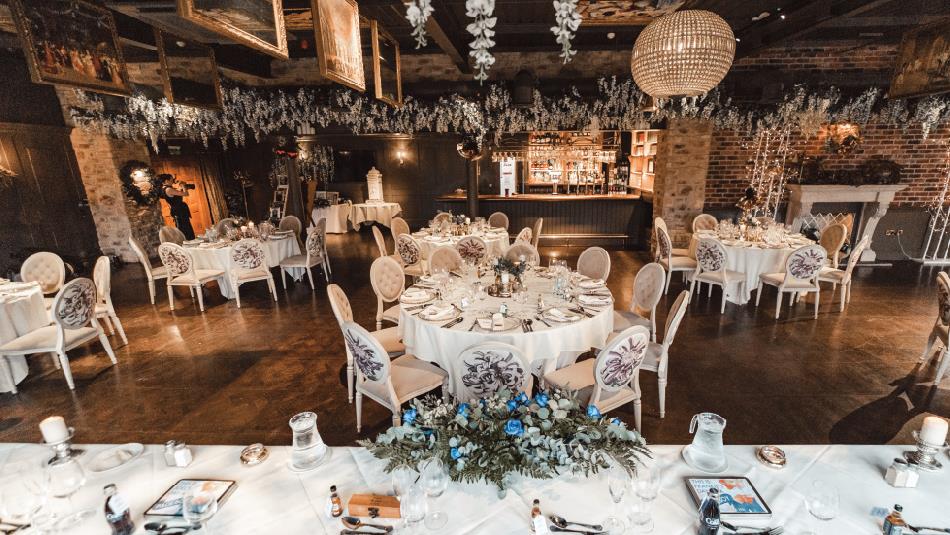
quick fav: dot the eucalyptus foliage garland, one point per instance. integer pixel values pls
(486, 440)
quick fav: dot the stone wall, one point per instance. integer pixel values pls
(682, 161)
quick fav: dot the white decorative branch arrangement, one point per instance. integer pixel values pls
(417, 13)
(482, 28)
(568, 21)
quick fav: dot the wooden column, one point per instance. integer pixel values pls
(472, 189)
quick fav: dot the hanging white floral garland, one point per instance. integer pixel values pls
(482, 28)
(568, 21)
(417, 13)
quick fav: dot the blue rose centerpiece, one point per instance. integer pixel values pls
(489, 438)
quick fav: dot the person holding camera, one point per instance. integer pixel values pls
(173, 192)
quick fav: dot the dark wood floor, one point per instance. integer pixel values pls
(235, 376)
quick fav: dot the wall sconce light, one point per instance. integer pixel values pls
(401, 156)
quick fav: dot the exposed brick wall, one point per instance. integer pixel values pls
(681, 170)
(807, 57)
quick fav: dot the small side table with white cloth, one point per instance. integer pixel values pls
(382, 213)
(22, 310)
(337, 216)
(218, 256)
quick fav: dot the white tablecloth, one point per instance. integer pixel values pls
(427, 340)
(337, 216)
(269, 498)
(382, 213)
(751, 259)
(22, 310)
(219, 258)
(497, 242)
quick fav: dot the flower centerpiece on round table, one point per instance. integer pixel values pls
(540, 437)
(503, 265)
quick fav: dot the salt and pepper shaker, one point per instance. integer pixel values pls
(170, 453)
(902, 474)
(183, 456)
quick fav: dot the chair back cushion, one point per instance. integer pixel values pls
(102, 277)
(472, 249)
(290, 222)
(399, 226)
(524, 235)
(805, 262)
(444, 258)
(833, 238)
(248, 254)
(380, 241)
(594, 262)
(664, 246)
(221, 227)
(943, 297)
(675, 317)
(45, 268)
(498, 220)
(711, 255)
(387, 279)
(536, 231)
(648, 288)
(519, 249)
(140, 254)
(371, 359)
(168, 234)
(617, 362)
(443, 217)
(175, 258)
(488, 368)
(340, 303)
(316, 239)
(75, 305)
(408, 250)
(704, 222)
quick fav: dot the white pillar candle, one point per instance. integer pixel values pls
(505, 278)
(934, 431)
(250, 224)
(54, 429)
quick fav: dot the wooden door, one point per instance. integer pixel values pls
(187, 169)
(44, 207)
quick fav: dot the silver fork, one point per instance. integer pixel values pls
(758, 530)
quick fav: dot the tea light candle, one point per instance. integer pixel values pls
(54, 430)
(243, 228)
(934, 431)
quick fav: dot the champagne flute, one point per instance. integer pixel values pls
(617, 483)
(646, 484)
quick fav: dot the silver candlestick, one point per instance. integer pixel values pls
(924, 456)
(63, 449)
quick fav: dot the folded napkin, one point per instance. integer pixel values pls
(438, 312)
(485, 323)
(192, 243)
(415, 295)
(593, 299)
(591, 283)
(559, 315)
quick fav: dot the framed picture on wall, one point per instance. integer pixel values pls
(189, 72)
(336, 24)
(71, 42)
(923, 62)
(386, 67)
(258, 24)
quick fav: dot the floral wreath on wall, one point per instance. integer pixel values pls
(139, 183)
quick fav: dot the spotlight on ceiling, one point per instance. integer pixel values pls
(611, 35)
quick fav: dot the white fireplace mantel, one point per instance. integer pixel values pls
(875, 198)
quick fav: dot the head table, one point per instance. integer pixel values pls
(272, 499)
(22, 310)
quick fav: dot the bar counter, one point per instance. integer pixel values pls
(569, 219)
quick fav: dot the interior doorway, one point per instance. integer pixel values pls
(187, 169)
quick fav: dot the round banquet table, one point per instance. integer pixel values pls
(430, 341)
(22, 310)
(497, 242)
(218, 256)
(337, 216)
(382, 213)
(752, 259)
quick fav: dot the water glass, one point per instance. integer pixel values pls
(64, 478)
(413, 507)
(434, 481)
(403, 478)
(617, 483)
(198, 505)
(23, 495)
(646, 485)
(823, 500)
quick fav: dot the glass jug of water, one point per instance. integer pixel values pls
(308, 449)
(706, 451)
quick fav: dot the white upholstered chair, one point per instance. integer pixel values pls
(487, 368)
(168, 234)
(181, 272)
(151, 273)
(291, 222)
(399, 226)
(410, 253)
(74, 323)
(704, 222)
(524, 235)
(221, 227)
(612, 379)
(380, 241)
(658, 354)
(442, 217)
(713, 258)
(389, 337)
(941, 329)
(102, 276)
(472, 249)
(831, 240)
(647, 292)
(658, 223)
(445, 258)
(388, 281)
(594, 263)
(536, 231)
(670, 262)
(45, 268)
(842, 277)
(389, 383)
(249, 264)
(315, 254)
(800, 277)
(498, 220)
(519, 249)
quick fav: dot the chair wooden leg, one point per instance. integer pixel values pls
(272, 287)
(778, 303)
(842, 299)
(397, 421)
(107, 346)
(349, 381)
(201, 298)
(326, 262)
(64, 362)
(171, 297)
(359, 411)
(669, 275)
(692, 287)
(237, 294)
(817, 300)
(310, 277)
(849, 291)
(108, 321)
(661, 384)
(118, 325)
(7, 373)
(709, 291)
(722, 308)
(326, 273)
(758, 294)
(930, 345)
(55, 358)
(283, 278)
(151, 291)
(637, 401)
(944, 363)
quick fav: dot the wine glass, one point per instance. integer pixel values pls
(23, 495)
(823, 500)
(617, 483)
(435, 479)
(65, 477)
(403, 478)
(646, 485)
(198, 505)
(413, 507)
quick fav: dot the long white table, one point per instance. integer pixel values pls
(22, 310)
(272, 499)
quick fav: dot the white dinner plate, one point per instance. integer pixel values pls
(570, 317)
(116, 457)
(509, 325)
(455, 314)
(416, 300)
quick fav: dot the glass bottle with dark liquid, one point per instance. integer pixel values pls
(117, 512)
(709, 513)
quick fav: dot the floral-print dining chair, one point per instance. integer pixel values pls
(472, 249)
(410, 253)
(524, 235)
(612, 379)
(445, 259)
(315, 254)
(843, 276)
(800, 277)
(102, 277)
(74, 323)
(249, 264)
(182, 272)
(666, 257)
(941, 328)
(487, 368)
(152, 274)
(389, 383)
(713, 260)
